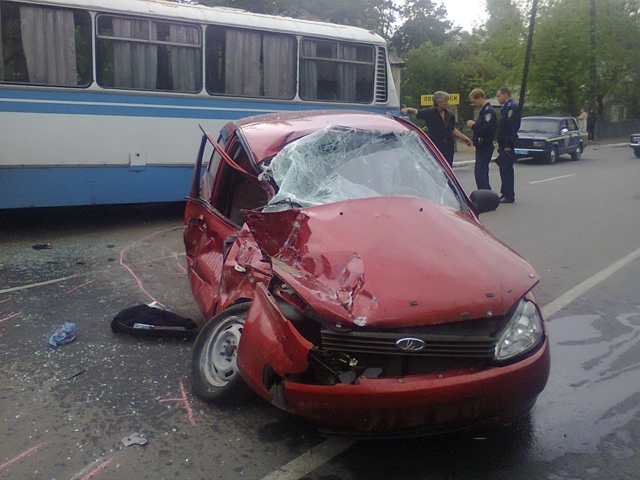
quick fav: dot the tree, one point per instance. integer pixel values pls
(562, 77)
(424, 22)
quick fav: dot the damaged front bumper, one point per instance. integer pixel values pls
(272, 357)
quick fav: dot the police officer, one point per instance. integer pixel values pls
(507, 134)
(483, 129)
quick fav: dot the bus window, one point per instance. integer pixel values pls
(44, 45)
(336, 71)
(148, 55)
(250, 63)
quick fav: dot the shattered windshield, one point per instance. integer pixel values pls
(340, 163)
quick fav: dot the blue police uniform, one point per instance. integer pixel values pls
(507, 135)
(483, 132)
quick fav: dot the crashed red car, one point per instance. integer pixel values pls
(348, 279)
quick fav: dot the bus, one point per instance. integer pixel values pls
(101, 101)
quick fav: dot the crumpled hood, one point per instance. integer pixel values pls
(392, 262)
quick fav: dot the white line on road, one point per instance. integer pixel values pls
(553, 178)
(311, 460)
(568, 297)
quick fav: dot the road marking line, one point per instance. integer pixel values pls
(568, 297)
(553, 178)
(307, 463)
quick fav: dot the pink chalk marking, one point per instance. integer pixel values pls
(138, 281)
(79, 286)
(185, 404)
(22, 455)
(98, 469)
(10, 316)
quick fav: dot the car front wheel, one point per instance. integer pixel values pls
(576, 154)
(214, 367)
(552, 156)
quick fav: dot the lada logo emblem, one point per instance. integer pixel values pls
(410, 344)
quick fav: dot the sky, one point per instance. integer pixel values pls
(465, 12)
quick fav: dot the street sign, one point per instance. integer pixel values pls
(427, 100)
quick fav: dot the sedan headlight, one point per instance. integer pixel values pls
(539, 143)
(523, 332)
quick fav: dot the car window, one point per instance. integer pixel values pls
(536, 125)
(340, 163)
(236, 190)
(206, 183)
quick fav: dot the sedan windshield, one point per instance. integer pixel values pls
(535, 125)
(339, 163)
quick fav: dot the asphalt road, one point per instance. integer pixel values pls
(66, 410)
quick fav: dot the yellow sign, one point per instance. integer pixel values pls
(427, 100)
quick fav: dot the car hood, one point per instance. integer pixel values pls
(392, 262)
(536, 136)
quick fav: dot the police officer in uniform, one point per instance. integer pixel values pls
(484, 129)
(507, 135)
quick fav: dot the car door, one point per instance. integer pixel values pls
(574, 134)
(565, 137)
(212, 215)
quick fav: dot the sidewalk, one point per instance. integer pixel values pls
(467, 155)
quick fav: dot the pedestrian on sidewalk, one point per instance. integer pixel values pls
(507, 135)
(484, 129)
(441, 125)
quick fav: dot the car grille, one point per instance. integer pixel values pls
(385, 344)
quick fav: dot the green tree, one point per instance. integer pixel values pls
(423, 22)
(560, 79)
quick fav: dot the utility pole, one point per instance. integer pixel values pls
(527, 56)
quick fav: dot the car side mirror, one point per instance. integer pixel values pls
(484, 200)
(564, 131)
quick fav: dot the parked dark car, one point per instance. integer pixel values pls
(634, 142)
(346, 278)
(546, 138)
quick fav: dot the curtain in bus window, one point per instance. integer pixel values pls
(309, 73)
(347, 72)
(242, 62)
(185, 61)
(135, 63)
(279, 52)
(49, 44)
(1, 50)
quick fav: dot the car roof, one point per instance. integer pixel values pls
(547, 117)
(267, 134)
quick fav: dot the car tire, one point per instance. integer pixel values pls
(636, 151)
(577, 153)
(214, 368)
(552, 157)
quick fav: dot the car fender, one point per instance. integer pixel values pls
(269, 341)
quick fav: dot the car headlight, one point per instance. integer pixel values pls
(523, 332)
(538, 144)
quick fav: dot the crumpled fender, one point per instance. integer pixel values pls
(269, 339)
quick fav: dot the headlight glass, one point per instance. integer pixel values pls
(538, 144)
(523, 332)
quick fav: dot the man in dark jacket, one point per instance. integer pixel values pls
(441, 125)
(484, 129)
(507, 134)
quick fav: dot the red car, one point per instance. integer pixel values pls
(348, 280)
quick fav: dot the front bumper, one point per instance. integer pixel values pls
(424, 404)
(398, 406)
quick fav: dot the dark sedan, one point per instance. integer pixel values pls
(546, 138)
(634, 142)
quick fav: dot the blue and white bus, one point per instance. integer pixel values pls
(100, 100)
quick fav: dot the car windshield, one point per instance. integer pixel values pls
(536, 125)
(340, 163)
